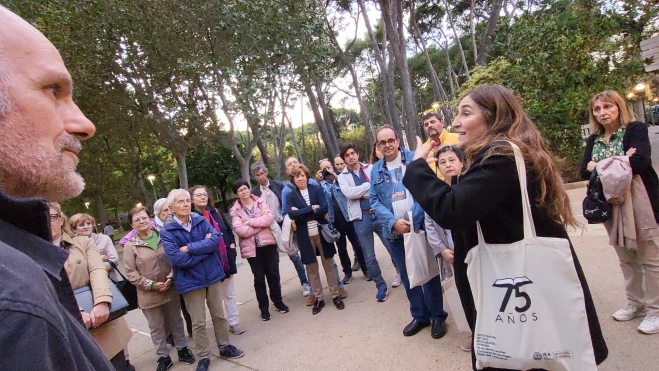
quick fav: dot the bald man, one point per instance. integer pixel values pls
(40, 133)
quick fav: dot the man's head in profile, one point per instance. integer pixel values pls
(40, 125)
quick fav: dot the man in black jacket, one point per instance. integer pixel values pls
(42, 328)
(271, 191)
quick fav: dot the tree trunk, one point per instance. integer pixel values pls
(290, 126)
(472, 30)
(387, 85)
(465, 66)
(162, 186)
(488, 38)
(397, 40)
(319, 118)
(102, 216)
(264, 152)
(147, 197)
(327, 118)
(182, 170)
(438, 89)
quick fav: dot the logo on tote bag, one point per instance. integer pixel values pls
(513, 284)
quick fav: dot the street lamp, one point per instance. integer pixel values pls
(87, 203)
(630, 95)
(640, 87)
(151, 178)
(435, 106)
(139, 204)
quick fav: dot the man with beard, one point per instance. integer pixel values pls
(41, 129)
(433, 124)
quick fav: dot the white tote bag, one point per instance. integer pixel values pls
(420, 260)
(455, 304)
(530, 303)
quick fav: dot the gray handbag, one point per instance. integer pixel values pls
(329, 232)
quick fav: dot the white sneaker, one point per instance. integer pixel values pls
(306, 290)
(628, 313)
(650, 325)
(397, 281)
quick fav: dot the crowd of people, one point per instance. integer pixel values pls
(462, 188)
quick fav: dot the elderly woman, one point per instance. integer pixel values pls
(83, 225)
(307, 206)
(85, 267)
(191, 245)
(617, 134)
(251, 219)
(161, 211)
(202, 205)
(148, 269)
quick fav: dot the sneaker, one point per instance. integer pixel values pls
(343, 293)
(382, 294)
(164, 364)
(310, 300)
(306, 290)
(347, 279)
(365, 273)
(185, 356)
(237, 329)
(356, 266)
(265, 315)
(397, 281)
(318, 306)
(231, 352)
(203, 364)
(466, 347)
(628, 313)
(282, 308)
(650, 325)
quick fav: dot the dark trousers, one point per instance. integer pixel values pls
(119, 361)
(347, 230)
(265, 265)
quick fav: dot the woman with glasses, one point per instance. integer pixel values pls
(82, 225)
(148, 269)
(202, 205)
(251, 220)
(85, 267)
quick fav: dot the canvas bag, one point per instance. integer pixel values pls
(530, 303)
(455, 304)
(420, 260)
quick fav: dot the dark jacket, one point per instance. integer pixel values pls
(636, 136)
(489, 192)
(200, 267)
(275, 185)
(227, 235)
(304, 214)
(38, 312)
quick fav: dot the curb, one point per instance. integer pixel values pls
(575, 185)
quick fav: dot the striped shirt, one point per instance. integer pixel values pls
(311, 225)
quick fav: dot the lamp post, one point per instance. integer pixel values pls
(151, 178)
(640, 87)
(87, 203)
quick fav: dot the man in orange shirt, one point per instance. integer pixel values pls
(433, 124)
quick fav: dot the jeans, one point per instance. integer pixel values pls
(347, 229)
(299, 267)
(336, 273)
(426, 302)
(266, 266)
(364, 229)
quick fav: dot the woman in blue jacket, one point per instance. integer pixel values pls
(191, 245)
(307, 206)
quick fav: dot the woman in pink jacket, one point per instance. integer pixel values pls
(251, 222)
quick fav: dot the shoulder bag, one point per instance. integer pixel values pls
(420, 260)
(529, 300)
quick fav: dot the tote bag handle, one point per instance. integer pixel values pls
(529, 227)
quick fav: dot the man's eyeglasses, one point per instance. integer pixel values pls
(323, 160)
(389, 141)
(183, 202)
(54, 217)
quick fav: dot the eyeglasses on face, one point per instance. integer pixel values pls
(142, 219)
(201, 195)
(54, 217)
(390, 141)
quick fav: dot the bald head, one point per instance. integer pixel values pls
(41, 125)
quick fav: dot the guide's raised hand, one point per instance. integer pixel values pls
(422, 150)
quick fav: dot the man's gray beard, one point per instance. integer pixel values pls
(28, 170)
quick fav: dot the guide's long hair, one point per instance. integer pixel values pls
(506, 120)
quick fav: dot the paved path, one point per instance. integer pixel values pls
(367, 335)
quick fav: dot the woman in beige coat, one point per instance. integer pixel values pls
(148, 269)
(83, 225)
(85, 267)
